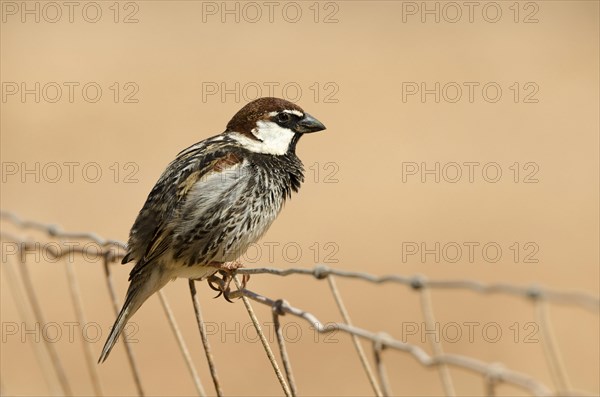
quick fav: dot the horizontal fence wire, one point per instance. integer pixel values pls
(111, 251)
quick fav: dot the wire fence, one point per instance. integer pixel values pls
(493, 374)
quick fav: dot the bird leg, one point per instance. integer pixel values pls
(222, 284)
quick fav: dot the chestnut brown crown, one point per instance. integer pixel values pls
(284, 113)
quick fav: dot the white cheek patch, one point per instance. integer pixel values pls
(274, 139)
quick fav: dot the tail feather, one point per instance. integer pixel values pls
(140, 289)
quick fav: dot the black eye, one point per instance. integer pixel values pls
(283, 118)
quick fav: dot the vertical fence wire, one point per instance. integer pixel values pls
(552, 352)
(92, 368)
(436, 344)
(181, 343)
(490, 386)
(39, 318)
(285, 359)
(38, 350)
(381, 371)
(207, 349)
(361, 353)
(265, 343)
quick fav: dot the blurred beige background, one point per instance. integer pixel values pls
(357, 209)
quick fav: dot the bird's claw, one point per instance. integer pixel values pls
(212, 280)
(222, 284)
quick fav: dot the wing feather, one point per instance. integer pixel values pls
(153, 231)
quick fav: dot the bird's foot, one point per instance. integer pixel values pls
(222, 284)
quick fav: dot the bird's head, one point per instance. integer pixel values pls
(271, 126)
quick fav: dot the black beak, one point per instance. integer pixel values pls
(308, 124)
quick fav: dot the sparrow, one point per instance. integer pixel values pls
(214, 200)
